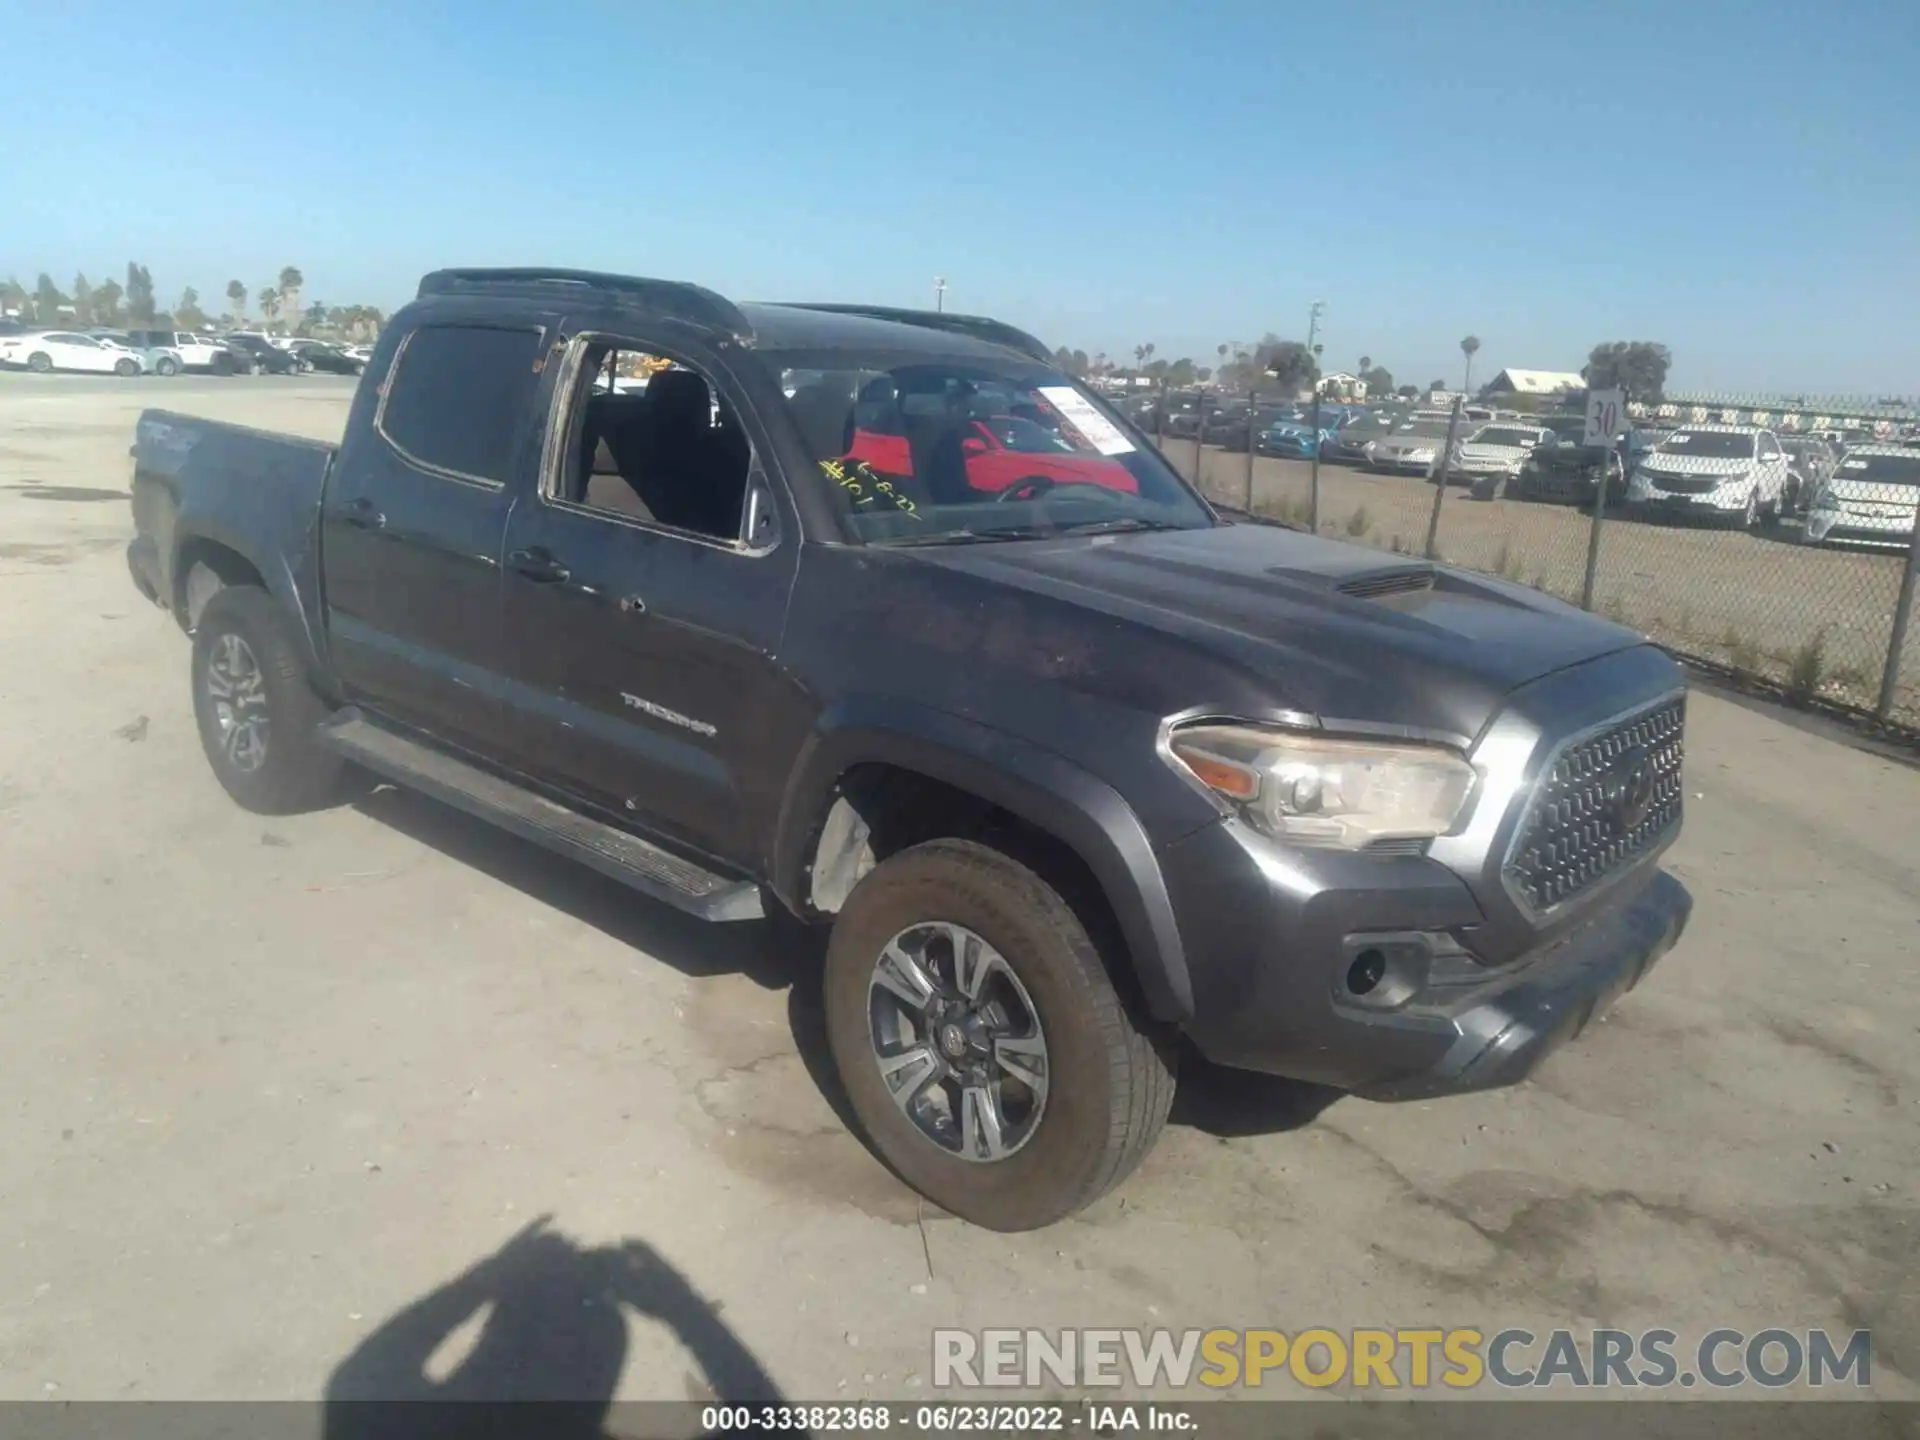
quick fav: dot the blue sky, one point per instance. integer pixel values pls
(1739, 180)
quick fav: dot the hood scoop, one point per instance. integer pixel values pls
(1378, 584)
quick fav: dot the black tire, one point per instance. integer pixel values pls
(1109, 1083)
(1750, 517)
(126, 369)
(40, 362)
(166, 365)
(293, 772)
(221, 365)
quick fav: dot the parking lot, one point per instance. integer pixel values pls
(272, 1082)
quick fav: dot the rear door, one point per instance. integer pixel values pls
(413, 523)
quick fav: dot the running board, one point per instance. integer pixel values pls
(653, 872)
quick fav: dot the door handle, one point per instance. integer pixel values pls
(632, 605)
(539, 565)
(362, 514)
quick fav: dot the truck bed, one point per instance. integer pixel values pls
(205, 486)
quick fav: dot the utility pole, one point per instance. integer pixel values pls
(940, 293)
(1313, 352)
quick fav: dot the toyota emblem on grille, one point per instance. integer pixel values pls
(1630, 788)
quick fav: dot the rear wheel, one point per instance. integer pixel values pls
(257, 713)
(981, 1043)
(126, 368)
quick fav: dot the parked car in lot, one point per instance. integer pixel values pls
(49, 350)
(1811, 461)
(1565, 470)
(1413, 448)
(1867, 499)
(1733, 474)
(1348, 444)
(156, 349)
(1077, 775)
(1492, 455)
(261, 355)
(193, 350)
(1301, 438)
(330, 359)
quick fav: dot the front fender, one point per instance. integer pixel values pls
(1040, 787)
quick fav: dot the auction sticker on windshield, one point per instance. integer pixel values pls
(1078, 411)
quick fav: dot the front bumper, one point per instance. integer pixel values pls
(1280, 936)
(1403, 973)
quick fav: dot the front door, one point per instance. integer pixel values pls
(644, 677)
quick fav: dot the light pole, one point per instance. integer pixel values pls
(939, 293)
(1313, 350)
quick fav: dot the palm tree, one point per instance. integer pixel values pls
(1366, 364)
(237, 298)
(269, 299)
(1140, 353)
(290, 282)
(1469, 347)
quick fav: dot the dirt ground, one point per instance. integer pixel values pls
(278, 1092)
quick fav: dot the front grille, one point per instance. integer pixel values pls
(1605, 800)
(1684, 484)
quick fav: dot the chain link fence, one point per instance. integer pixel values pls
(1773, 538)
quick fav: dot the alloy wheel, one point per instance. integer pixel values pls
(958, 1041)
(237, 689)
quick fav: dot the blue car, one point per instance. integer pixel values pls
(1293, 439)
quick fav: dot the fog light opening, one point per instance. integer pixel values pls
(1369, 968)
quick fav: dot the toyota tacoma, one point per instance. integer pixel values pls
(1083, 774)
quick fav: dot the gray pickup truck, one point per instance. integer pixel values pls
(873, 619)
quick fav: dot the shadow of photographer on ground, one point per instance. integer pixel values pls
(554, 1333)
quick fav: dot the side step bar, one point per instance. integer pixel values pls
(653, 872)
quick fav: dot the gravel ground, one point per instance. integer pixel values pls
(270, 1084)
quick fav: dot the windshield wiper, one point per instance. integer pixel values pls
(1116, 525)
(1112, 525)
(968, 537)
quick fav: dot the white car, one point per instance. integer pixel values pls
(66, 350)
(1736, 474)
(1869, 499)
(1493, 454)
(193, 350)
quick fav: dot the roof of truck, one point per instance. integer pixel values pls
(788, 326)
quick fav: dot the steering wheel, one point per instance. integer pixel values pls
(1032, 487)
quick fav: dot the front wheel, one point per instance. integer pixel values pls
(126, 369)
(1750, 517)
(257, 713)
(166, 365)
(40, 362)
(982, 1045)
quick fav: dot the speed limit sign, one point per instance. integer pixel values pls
(1604, 410)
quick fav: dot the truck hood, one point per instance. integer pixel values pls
(1244, 616)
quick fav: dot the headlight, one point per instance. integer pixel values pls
(1419, 457)
(1332, 794)
(1367, 449)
